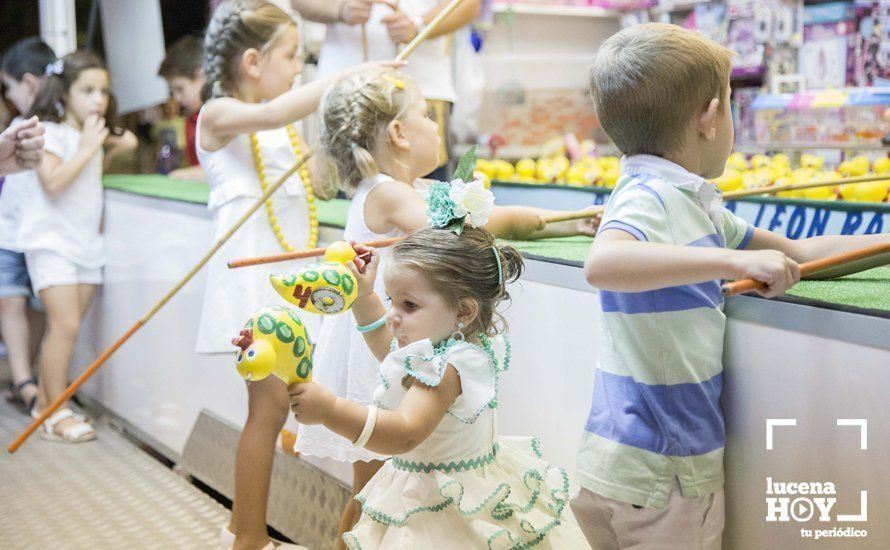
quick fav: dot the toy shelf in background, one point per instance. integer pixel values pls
(805, 76)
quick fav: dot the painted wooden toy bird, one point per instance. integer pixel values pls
(326, 288)
(274, 341)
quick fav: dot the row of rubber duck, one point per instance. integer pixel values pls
(741, 173)
(763, 170)
(558, 169)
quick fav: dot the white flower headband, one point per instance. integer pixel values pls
(452, 205)
(56, 68)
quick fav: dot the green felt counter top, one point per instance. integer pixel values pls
(868, 290)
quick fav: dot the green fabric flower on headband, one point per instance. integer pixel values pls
(452, 205)
(439, 206)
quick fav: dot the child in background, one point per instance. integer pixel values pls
(182, 70)
(651, 461)
(452, 483)
(22, 71)
(60, 227)
(245, 140)
(377, 129)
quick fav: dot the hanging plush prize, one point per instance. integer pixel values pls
(327, 288)
(274, 341)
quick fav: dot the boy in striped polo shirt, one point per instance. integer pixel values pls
(650, 463)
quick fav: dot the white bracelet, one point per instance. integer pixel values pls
(370, 423)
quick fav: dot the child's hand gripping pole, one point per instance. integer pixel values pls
(815, 267)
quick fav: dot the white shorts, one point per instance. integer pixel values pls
(47, 268)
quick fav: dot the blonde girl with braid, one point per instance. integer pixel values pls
(245, 140)
(377, 129)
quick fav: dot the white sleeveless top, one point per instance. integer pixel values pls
(230, 170)
(232, 295)
(343, 363)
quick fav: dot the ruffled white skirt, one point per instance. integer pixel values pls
(508, 498)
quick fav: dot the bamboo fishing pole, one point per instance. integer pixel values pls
(732, 195)
(69, 391)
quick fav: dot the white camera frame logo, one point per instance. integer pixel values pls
(803, 509)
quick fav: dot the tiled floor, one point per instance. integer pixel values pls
(101, 494)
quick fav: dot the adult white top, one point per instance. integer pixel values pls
(12, 199)
(430, 64)
(67, 223)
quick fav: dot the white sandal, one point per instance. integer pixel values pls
(72, 434)
(80, 417)
(227, 540)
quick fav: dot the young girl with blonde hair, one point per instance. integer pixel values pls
(377, 129)
(245, 141)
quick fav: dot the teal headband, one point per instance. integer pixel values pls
(497, 257)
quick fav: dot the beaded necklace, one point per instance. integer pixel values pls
(307, 185)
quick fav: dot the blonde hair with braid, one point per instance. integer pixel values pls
(237, 26)
(355, 114)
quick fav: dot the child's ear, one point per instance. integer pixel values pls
(31, 81)
(707, 121)
(397, 137)
(467, 311)
(250, 62)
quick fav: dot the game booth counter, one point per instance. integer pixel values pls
(805, 385)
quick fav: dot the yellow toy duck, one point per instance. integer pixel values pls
(274, 341)
(327, 288)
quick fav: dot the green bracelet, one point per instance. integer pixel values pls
(372, 326)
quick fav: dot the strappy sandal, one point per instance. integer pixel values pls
(227, 540)
(77, 433)
(17, 394)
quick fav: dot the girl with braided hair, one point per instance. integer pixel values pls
(378, 131)
(245, 140)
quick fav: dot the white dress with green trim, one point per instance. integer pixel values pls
(463, 487)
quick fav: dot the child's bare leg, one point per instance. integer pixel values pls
(362, 472)
(62, 305)
(267, 410)
(16, 336)
(85, 295)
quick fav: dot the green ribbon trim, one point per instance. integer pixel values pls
(460, 466)
(501, 511)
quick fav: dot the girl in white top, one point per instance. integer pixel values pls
(376, 128)
(244, 141)
(452, 483)
(60, 231)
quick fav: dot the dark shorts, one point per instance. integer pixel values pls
(14, 279)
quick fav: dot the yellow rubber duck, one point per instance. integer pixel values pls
(503, 170)
(808, 160)
(737, 162)
(274, 341)
(326, 288)
(525, 169)
(731, 180)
